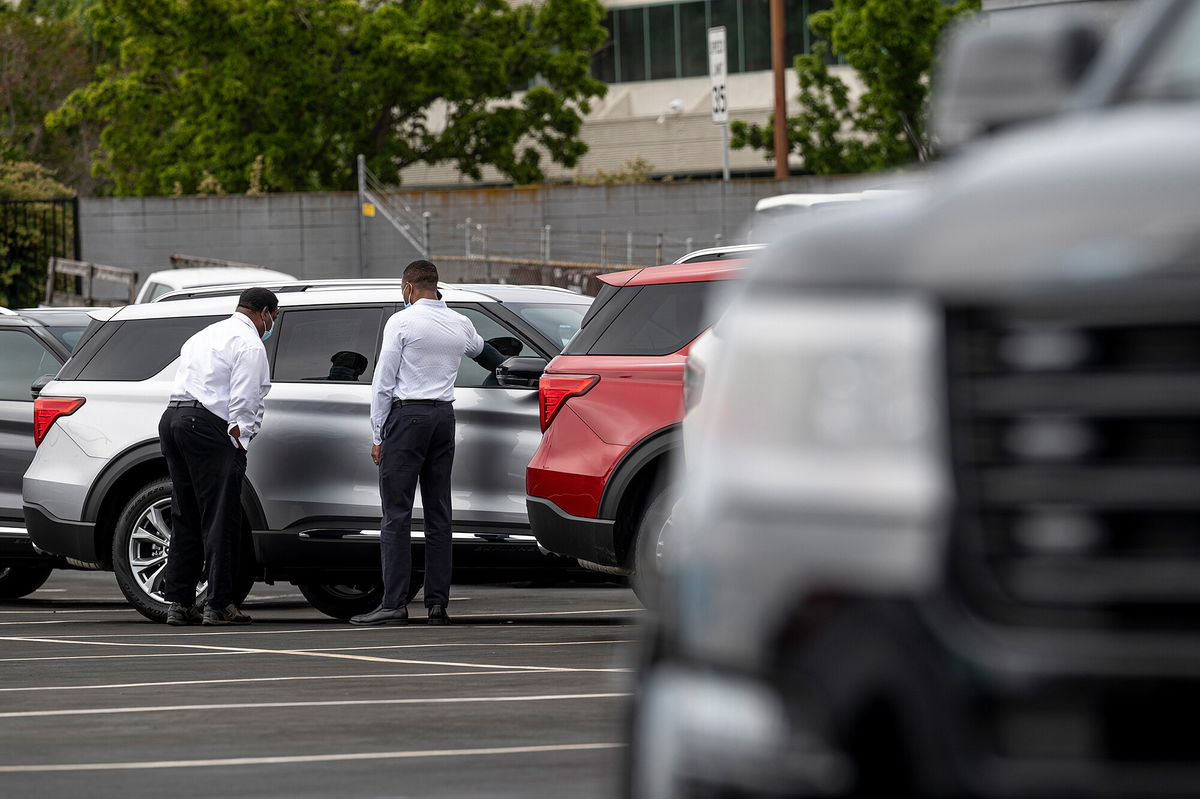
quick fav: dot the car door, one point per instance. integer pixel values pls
(497, 433)
(24, 357)
(311, 463)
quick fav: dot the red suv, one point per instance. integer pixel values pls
(611, 405)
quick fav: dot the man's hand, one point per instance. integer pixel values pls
(375, 448)
(236, 433)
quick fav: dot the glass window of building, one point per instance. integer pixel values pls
(693, 39)
(631, 44)
(669, 40)
(604, 61)
(756, 34)
(664, 48)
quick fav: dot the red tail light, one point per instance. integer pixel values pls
(554, 390)
(47, 409)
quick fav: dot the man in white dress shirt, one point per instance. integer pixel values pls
(215, 411)
(412, 420)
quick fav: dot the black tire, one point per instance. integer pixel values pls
(143, 586)
(19, 581)
(343, 600)
(642, 558)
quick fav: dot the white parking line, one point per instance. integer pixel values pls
(298, 652)
(449, 700)
(237, 680)
(328, 758)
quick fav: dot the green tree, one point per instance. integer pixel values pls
(891, 44)
(43, 58)
(302, 86)
(24, 241)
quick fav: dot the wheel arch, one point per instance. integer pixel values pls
(633, 479)
(124, 476)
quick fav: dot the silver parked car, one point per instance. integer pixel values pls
(34, 342)
(97, 490)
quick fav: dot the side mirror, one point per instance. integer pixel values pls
(520, 372)
(36, 388)
(994, 74)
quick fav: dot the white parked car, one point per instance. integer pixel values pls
(159, 283)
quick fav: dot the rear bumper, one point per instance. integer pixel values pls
(56, 536)
(572, 536)
(17, 550)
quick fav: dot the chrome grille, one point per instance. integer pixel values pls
(1075, 440)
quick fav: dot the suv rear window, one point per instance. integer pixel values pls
(653, 320)
(141, 348)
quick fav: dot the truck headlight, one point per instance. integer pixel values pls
(829, 399)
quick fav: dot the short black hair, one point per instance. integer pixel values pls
(258, 298)
(422, 274)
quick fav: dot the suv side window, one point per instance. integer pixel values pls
(24, 360)
(141, 348)
(471, 374)
(660, 320)
(328, 344)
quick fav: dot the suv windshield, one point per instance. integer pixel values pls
(1172, 70)
(557, 322)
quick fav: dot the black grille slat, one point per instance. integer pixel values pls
(1075, 439)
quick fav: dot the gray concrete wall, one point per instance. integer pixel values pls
(317, 235)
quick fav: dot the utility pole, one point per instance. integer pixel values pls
(778, 45)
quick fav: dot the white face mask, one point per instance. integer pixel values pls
(404, 296)
(266, 334)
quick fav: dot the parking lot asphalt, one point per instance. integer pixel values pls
(523, 695)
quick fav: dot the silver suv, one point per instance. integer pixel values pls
(97, 489)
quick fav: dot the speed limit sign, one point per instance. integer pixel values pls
(717, 70)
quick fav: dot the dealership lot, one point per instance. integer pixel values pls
(524, 694)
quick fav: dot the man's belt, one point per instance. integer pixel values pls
(185, 404)
(403, 402)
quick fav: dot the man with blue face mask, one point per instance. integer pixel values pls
(215, 411)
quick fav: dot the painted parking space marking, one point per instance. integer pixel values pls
(239, 680)
(446, 700)
(326, 758)
(337, 655)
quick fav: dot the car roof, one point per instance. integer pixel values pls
(333, 292)
(676, 273)
(719, 253)
(211, 276)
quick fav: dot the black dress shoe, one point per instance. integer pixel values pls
(438, 615)
(182, 615)
(382, 615)
(219, 617)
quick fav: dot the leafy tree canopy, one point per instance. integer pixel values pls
(24, 180)
(43, 58)
(202, 88)
(891, 44)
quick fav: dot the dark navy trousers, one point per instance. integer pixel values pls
(418, 448)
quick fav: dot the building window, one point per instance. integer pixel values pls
(669, 40)
(604, 61)
(693, 39)
(631, 44)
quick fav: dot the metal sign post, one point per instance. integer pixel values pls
(720, 100)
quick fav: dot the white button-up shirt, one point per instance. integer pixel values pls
(422, 347)
(224, 366)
